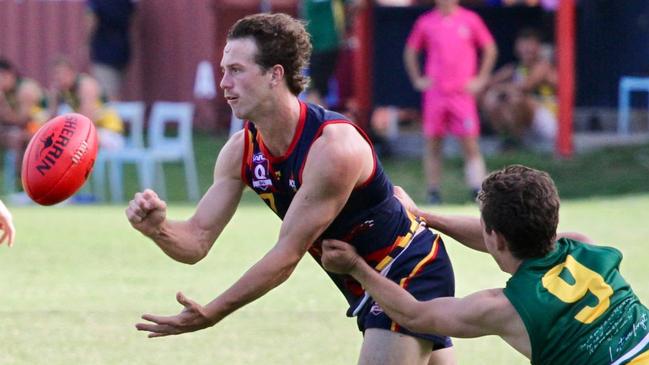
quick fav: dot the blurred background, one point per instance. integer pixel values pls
(175, 50)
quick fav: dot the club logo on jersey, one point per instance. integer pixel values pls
(376, 309)
(291, 183)
(260, 179)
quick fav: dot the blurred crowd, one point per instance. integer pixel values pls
(516, 101)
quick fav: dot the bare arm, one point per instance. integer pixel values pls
(331, 172)
(487, 312)
(419, 81)
(189, 241)
(542, 71)
(487, 62)
(464, 229)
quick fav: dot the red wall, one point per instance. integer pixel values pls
(170, 38)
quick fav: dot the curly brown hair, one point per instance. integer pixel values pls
(281, 40)
(522, 204)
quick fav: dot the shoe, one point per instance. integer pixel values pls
(434, 198)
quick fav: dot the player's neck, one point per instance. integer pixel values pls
(279, 127)
(447, 10)
(511, 264)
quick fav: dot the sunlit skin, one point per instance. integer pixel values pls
(446, 6)
(63, 77)
(7, 81)
(258, 95)
(528, 50)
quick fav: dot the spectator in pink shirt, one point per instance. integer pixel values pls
(451, 37)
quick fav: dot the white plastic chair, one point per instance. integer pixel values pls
(132, 114)
(628, 84)
(9, 172)
(161, 148)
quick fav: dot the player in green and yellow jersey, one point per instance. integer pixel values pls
(566, 302)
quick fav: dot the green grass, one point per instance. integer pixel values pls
(606, 172)
(613, 171)
(78, 279)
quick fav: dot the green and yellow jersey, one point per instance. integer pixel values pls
(578, 309)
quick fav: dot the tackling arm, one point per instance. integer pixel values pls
(487, 312)
(464, 229)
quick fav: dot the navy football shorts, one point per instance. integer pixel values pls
(423, 269)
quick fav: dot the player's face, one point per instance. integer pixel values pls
(63, 77)
(528, 50)
(7, 80)
(246, 85)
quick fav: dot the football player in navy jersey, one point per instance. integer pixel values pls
(318, 172)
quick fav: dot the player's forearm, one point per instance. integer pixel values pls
(182, 241)
(271, 271)
(464, 229)
(488, 61)
(412, 65)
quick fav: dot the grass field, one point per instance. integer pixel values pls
(78, 279)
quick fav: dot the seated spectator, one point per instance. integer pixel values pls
(83, 94)
(22, 110)
(520, 101)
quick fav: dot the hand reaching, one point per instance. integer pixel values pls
(146, 212)
(192, 318)
(6, 225)
(339, 257)
(406, 200)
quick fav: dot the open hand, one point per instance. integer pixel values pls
(192, 318)
(339, 257)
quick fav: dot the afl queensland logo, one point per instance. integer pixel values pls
(260, 179)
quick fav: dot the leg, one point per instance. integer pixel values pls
(474, 165)
(432, 159)
(466, 126)
(434, 129)
(443, 356)
(383, 347)
(388, 343)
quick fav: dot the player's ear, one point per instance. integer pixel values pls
(277, 74)
(501, 242)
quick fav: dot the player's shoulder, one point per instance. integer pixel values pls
(322, 114)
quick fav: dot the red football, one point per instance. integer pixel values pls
(59, 158)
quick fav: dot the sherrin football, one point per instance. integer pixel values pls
(59, 158)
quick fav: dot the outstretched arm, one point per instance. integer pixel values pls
(189, 241)
(464, 229)
(487, 312)
(337, 161)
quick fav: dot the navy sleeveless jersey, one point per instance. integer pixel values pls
(372, 220)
